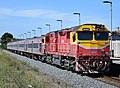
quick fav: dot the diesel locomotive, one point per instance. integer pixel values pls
(84, 48)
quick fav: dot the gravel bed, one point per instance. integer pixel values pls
(74, 79)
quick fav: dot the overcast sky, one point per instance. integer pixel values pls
(21, 16)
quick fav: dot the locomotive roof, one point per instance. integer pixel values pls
(92, 24)
(59, 30)
(74, 28)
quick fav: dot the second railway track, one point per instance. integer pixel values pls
(112, 77)
(110, 80)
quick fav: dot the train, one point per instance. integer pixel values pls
(84, 48)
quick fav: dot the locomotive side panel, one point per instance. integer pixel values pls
(64, 42)
(58, 42)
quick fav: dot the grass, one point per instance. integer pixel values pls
(16, 74)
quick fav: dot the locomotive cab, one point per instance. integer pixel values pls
(91, 43)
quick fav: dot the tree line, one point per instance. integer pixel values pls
(6, 37)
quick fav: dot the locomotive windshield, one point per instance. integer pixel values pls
(88, 35)
(101, 35)
(85, 35)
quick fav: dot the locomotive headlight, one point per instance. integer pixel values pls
(93, 26)
(100, 62)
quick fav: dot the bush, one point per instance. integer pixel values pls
(3, 46)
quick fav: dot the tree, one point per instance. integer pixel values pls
(6, 37)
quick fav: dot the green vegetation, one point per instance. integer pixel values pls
(6, 37)
(16, 74)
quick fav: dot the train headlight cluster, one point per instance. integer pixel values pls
(93, 28)
(101, 62)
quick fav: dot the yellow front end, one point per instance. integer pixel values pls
(90, 39)
(91, 48)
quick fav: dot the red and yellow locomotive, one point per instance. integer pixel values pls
(82, 48)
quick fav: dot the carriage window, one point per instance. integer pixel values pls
(29, 45)
(85, 35)
(35, 45)
(21, 45)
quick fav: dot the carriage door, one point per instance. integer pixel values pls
(40, 47)
(32, 46)
(24, 46)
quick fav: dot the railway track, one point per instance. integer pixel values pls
(112, 77)
(110, 80)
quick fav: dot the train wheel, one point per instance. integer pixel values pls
(78, 67)
(39, 58)
(43, 59)
(67, 64)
